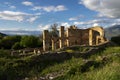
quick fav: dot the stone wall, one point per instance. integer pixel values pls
(73, 36)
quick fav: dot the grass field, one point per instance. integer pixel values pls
(104, 65)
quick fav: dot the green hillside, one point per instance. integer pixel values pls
(101, 65)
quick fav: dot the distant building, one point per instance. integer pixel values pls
(73, 36)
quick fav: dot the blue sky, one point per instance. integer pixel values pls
(40, 14)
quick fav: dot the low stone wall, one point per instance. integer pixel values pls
(26, 51)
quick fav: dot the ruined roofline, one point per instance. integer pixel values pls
(96, 27)
(65, 28)
(81, 28)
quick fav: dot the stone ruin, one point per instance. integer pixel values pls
(73, 36)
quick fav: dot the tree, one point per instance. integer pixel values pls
(54, 32)
(16, 46)
(40, 43)
(116, 39)
(8, 41)
(29, 41)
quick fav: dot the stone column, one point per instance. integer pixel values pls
(102, 39)
(68, 44)
(90, 37)
(53, 45)
(45, 40)
(97, 38)
(61, 34)
(67, 36)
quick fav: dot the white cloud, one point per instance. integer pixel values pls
(76, 18)
(38, 14)
(98, 22)
(27, 3)
(80, 2)
(7, 3)
(37, 8)
(107, 8)
(32, 19)
(79, 23)
(44, 27)
(72, 19)
(50, 8)
(60, 8)
(12, 7)
(66, 24)
(95, 24)
(17, 16)
(9, 15)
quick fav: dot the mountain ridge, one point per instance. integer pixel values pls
(112, 31)
(21, 32)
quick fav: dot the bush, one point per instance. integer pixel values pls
(4, 53)
(17, 46)
(8, 41)
(29, 41)
(116, 40)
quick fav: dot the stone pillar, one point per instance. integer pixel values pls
(97, 38)
(61, 34)
(53, 45)
(67, 36)
(46, 40)
(90, 37)
(68, 44)
(102, 39)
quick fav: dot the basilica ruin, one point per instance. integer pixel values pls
(73, 36)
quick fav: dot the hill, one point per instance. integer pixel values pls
(112, 31)
(103, 65)
(2, 34)
(21, 32)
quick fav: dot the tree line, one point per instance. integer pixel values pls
(116, 39)
(19, 42)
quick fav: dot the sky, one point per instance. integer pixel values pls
(41, 14)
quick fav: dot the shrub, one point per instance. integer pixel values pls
(8, 41)
(69, 51)
(116, 40)
(29, 41)
(17, 46)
